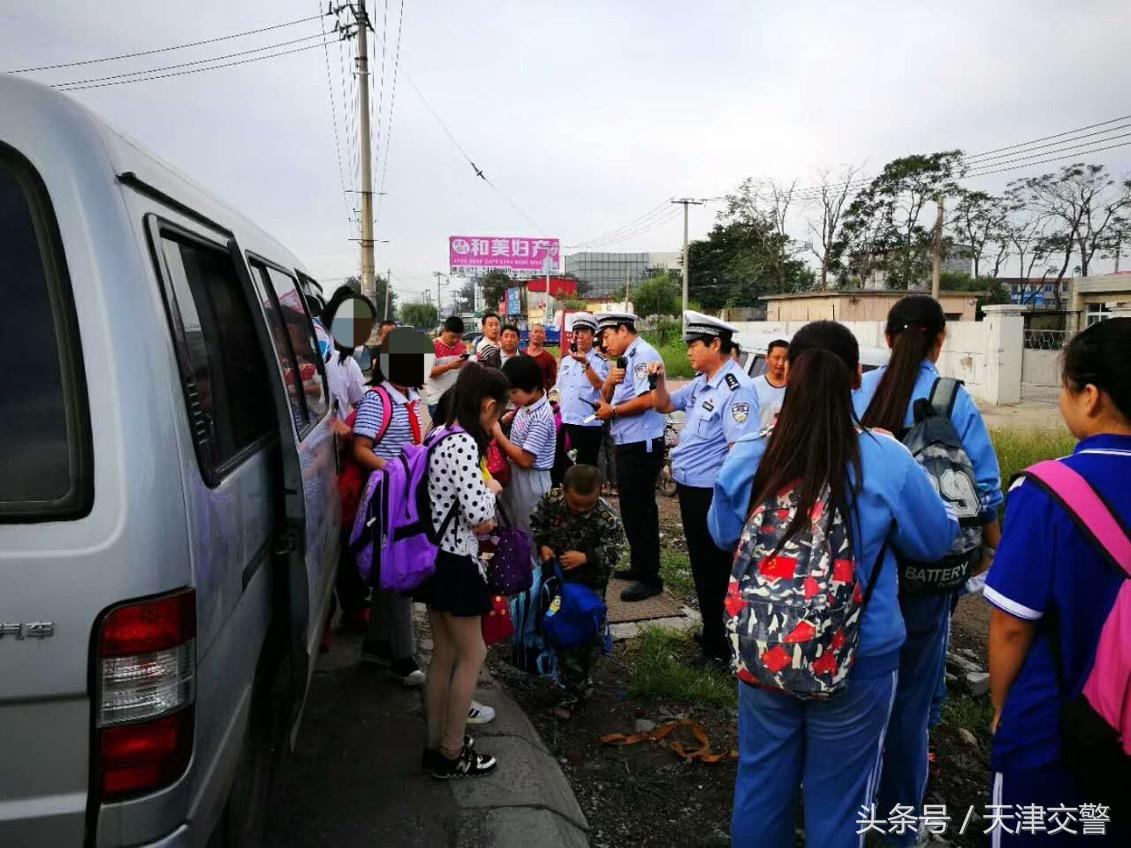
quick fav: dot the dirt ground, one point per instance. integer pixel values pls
(645, 795)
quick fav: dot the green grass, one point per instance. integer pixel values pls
(974, 714)
(675, 568)
(674, 353)
(1018, 449)
(660, 672)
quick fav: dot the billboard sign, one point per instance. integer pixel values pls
(474, 255)
(514, 301)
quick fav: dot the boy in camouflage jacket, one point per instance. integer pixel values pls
(575, 526)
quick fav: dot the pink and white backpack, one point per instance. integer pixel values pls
(1096, 726)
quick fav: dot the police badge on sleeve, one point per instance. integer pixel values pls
(740, 412)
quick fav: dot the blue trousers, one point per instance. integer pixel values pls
(904, 781)
(832, 748)
(1049, 787)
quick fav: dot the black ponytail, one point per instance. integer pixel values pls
(474, 384)
(914, 324)
(1101, 356)
(814, 443)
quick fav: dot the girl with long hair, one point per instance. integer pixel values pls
(1052, 589)
(457, 594)
(830, 746)
(915, 332)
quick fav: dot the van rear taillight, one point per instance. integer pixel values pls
(145, 677)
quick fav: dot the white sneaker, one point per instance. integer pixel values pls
(480, 713)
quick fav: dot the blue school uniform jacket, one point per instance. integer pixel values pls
(896, 502)
(967, 421)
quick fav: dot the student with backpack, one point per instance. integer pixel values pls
(574, 527)
(1060, 631)
(388, 418)
(908, 398)
(462, 506)
(813, 611)
(532, 442)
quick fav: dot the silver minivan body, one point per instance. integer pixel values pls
(254, 535)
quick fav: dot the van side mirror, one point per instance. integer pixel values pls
(352, 323)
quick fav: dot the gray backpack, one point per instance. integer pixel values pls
(937, 447)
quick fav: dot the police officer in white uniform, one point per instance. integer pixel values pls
(638, 434)
(580, 377)
(721, 405)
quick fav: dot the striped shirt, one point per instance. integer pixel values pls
(399, 433)
(534, 432)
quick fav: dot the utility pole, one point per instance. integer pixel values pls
(388, 288)
(367, 284)
(686, 202)
(438, 275)
(936, 264)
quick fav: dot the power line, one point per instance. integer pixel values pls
(392, 106)
(65, 85)
(165, 49)
(663, 205)
(335, 127)
(196, 70)
(1048, 137)
(662, 217)
(1046, 161)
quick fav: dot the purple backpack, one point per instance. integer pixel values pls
(510, 569)
(394, 527)
(1096, 726)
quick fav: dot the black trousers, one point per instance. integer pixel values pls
(710, 567)
(587, 441)
(638, 469)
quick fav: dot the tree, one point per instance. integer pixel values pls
(977, 221)
(1083, 206)
(423, 316)
(465, 297)
(830, 199)
(764, 206)
(882, 229)
(658, 295)
(731, 267)
(379, 284)
(988, 290)
(494, 285)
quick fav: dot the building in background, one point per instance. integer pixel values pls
(608, 273)
(1035, 291)
(858, 305)
(1098, 297)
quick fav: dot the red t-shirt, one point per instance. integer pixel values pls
(458, 349)
(548, 366)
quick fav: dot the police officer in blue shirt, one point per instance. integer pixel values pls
(580, 377)
(721, 405)
(638, 436)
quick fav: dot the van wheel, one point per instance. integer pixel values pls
(244, 818)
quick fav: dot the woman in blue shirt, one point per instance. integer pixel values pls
(915, 331)
(831, 746)
(1052, 590)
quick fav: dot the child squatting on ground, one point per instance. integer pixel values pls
(575, 526)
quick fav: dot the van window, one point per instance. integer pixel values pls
(293, 336)
(45, 450)
(228, 396)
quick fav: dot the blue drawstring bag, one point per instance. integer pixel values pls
(575, 615)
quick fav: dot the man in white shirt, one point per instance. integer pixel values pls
(487, 348)
(770, 387)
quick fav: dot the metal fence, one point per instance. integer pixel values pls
(1046, 339)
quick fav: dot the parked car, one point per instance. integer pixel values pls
(168, 508)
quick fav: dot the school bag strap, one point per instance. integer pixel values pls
(386, 412)
(1091, 513)
(944, 393)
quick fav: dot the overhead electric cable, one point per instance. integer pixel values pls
(164, 49)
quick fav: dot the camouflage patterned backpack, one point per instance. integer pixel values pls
(794, 617)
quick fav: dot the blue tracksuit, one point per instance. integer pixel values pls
(831, 747)
(927, 618)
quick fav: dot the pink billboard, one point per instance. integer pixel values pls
(479, 254)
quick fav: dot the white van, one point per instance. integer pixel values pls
(168, 505)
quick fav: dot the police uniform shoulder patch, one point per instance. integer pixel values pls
(641, 370)
(732, 382)
(740, 412)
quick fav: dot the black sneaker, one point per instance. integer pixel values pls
(408, 672)
(640, 591)
(432, 759)
(468, 764)
(376, 652)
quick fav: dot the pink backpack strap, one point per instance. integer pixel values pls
(386, 412)
(1090, 512)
